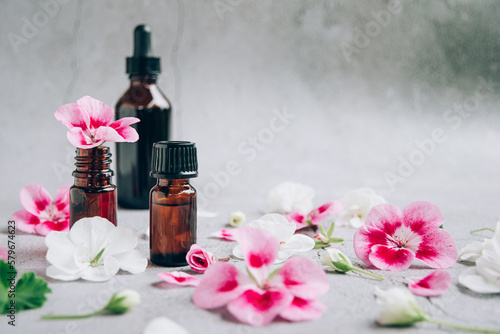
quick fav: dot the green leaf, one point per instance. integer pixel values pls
(322, 230)
(320, 244)
(7, 272)
(336, 240)
(30, 292)
(442, 226)
(330, 230)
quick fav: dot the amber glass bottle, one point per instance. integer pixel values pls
(143, 100)
(93, 194)
(172, 203)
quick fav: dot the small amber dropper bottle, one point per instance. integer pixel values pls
(172, 205)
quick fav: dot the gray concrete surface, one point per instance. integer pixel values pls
(358, 119)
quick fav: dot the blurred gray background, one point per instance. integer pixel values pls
(367, 84)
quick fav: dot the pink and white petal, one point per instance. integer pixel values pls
(299, 226)
(298, 243)
(390, 258)
(259, 249)
(303, 310)
(80, 139)
(179, 278)
(321, 213)
(434, 284)
(99, 113)
(385, 217)
(128, 134)
(422, 217)
(437, 249)
(221, 283)
(365, 238)
(132, 261)
(71, 116)
(122, 126)
(4, 254)
(296, 217)
(303, 277)
(224, 234)
(25, 221)
(48, 226)
(35, 199)
(61, 202)
(106, 133)
(258, 307)
(472, 280)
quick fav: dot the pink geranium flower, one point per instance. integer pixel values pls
(290, 293)
(42, 215)
(199, 259)
(179, 278)
(390, 240)
(316, 216)
(434, 284)
(90, 123)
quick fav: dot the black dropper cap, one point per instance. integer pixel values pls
(142, 62)
(174, 160)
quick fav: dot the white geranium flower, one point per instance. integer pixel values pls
(163, 325)
(471, 252)
(357, 204)
(94, 249)
(283, 230)
(400, 307)
(290, 196)
(236, 218)
(485, 277)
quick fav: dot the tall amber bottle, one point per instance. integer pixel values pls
(143, 100)
(93, 194)
(172, 210)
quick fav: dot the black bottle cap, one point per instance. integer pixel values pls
(174, 160)
(143, 62)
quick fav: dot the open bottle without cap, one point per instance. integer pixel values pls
(93, 194)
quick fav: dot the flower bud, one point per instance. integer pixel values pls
(236, 218)
(199, 259)
(400, 308)
(336, 260)
(123, 301)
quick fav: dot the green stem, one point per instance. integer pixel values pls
(69, 316)
(367, 273)
(482, 229)
(463, 328)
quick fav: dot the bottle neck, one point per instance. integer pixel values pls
(172, 182)
(143, 80)
(93, 167)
